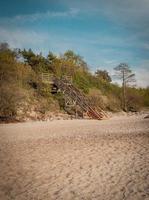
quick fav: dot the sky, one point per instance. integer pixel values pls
(104, 32)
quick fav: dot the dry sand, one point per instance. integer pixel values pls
(75, 159)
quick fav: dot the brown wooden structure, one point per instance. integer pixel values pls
(74, 96)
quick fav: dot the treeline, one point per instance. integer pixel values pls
(23, 92)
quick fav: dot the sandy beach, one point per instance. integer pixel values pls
(75, 159)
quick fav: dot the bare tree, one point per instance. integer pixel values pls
(124, 73)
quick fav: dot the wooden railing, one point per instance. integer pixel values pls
(76, 95)
(65, 85)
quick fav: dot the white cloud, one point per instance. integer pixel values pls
(124, 11)
(72, 12)
(22, 38)
(131, 14)
(142, 74)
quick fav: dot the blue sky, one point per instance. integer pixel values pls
(104, 32)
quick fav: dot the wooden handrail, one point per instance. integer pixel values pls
(67, 88)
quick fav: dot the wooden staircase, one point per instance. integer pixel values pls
(76, 95)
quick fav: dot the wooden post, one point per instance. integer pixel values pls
(76, 111)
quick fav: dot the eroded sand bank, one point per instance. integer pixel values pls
(76, 159)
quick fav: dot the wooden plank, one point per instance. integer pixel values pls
(81, 100)
(73, 93)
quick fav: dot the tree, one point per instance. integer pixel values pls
(103, 75)
(14, 77)
(38, 62)
(124, 73)
(75, 59)
(4, 46)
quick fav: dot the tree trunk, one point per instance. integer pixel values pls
(124, 93)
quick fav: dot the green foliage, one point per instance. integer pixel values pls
(76, 60)
(134, 99)
(144, 93)
(103, 75)
(81, 82)
(38, 63)
(124, 73)
(20, 80)
(14, 77)
(60, 98)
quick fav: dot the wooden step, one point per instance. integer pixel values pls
(76, 95)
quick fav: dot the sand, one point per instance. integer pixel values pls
(75, 159)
